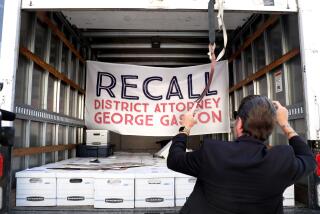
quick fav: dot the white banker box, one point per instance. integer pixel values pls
(36, 187)
(184, 185)
(98, 137)
(114, 189)
(154, 187)
(288, 196)
(75, 187)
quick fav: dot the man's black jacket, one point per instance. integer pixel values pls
(240, 177)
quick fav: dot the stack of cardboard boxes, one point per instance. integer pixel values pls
(150, 185)
(147, 186)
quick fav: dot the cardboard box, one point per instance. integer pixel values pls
(184, 185)
(288, 197)
(114, 189)
(36, 187)
(75, 187)
(154, 187)
(98, 137)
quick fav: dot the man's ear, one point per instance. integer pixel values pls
(239, 127)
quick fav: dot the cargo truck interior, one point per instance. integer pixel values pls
(51, 75)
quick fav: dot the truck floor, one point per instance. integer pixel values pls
(90, 209)
(299, 209)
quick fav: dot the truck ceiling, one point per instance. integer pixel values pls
(230, 5)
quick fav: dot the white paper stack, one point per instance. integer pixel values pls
(98, 137)
(154, 187)
(288, 196)
(184, 185)
(75, 187)
(36, 187)
(114, 189)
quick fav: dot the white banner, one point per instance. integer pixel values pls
(148, 101)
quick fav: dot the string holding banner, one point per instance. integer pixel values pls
(212, 21)
(212, 45)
